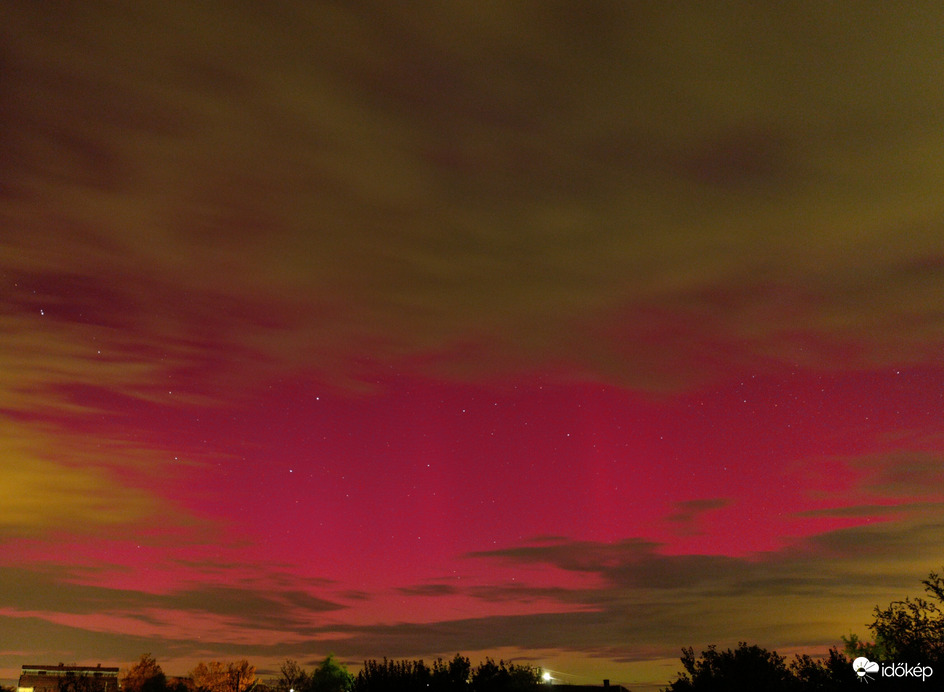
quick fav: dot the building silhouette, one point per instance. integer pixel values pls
(63, 678)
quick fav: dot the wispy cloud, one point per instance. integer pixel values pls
(39, 495)
(543, 224)
(686, 516)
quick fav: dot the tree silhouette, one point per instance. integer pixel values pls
(745, 669)
(824, 675)
(238, 676)
(907, 632)
(81, 682)
(330, 676)
(913, 630)
(455, 676)
(501, 677)
(291, 677)
(451, 676)
(392, 676)
(910, 631)
(144, 676)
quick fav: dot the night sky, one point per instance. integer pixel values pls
(573, 333)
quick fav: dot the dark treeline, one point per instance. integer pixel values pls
(332, 676)
(456, 674)
(907, 651)
(410, 676)
(907, 633)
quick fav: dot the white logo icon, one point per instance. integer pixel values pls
(863, 666)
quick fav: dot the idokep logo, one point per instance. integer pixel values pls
(866, 670)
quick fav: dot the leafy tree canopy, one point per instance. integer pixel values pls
(910, 631)
(237, 676)
(747, 668)
(330, 676)
(144, 676)
(452, 676)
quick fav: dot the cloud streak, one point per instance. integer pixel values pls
(541, 209)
